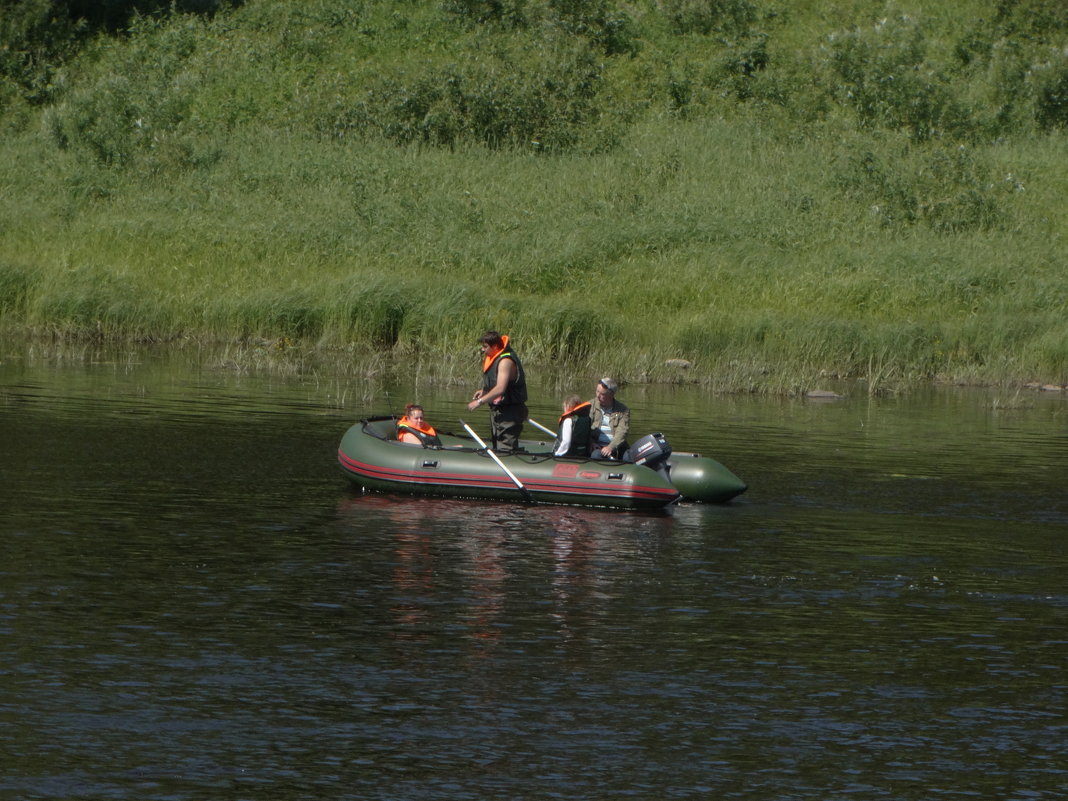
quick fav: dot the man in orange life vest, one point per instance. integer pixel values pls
(504, 390)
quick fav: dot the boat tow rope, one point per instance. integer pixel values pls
(500, 464)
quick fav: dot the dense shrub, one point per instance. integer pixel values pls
(604, 24)
(886, 79)
(723, 218)
(554, 75)
(33, 43)
(478, 12)
(489, 102)
(1039, 20)
(140, 105)
(116, 15)
(1051, 107)
(710, 16)
(38, 36)
(946, 189)
(1014, 68)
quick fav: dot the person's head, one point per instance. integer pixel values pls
(571, 401)
(414, 412)
(490, 340)
(606, 391)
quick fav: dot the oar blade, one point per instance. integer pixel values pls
(500, 464)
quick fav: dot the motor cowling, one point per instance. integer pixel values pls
(653, 451)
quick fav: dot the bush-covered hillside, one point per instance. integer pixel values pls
(118, 78)
(770, 190)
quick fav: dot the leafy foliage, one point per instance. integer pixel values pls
(947, 189)
(802, 183)
(34, 41)
(553, 75)
(116, 15)
(488, 102)
(710, 16)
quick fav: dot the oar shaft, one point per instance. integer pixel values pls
(536, 424)
(500, 464)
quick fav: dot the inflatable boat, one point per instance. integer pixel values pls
(372, 457)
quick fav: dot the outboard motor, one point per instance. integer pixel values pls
(653, 451)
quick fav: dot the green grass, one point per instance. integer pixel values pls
(234, 181)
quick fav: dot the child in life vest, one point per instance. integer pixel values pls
(573, 434)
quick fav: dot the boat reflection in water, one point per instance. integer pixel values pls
(453, 562)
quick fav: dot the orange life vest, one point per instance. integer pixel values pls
(579, 444)
(426, 433)
(494, 352)
(582, 408)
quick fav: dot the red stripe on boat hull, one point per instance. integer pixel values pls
(587, 488)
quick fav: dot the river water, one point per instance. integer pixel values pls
(194, 603)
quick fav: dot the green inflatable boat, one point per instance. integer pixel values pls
(373, 458)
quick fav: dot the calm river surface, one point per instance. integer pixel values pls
(194, 604)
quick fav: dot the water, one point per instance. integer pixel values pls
(195, 604)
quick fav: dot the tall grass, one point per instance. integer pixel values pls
(770, 201)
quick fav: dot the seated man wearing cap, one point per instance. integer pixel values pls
(609, 422)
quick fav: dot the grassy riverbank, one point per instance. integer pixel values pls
(761, 225)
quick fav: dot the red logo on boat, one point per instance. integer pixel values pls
(589, 474)
(565, 471)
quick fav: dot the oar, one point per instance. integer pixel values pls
(500, 464)
(536, 424)
(552, 434)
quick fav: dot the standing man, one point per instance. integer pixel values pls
(609, 422)
(504, 389)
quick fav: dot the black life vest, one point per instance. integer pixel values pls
(516, 391)
(580, 430)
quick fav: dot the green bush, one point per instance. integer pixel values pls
(948, 189)
(1051, 109)
(478, 12)
(141, 104)
(116, 15)
(887, 80)
(34, 41)
(607, 26)
(778, 200)
(547, 107)
(710, 16)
